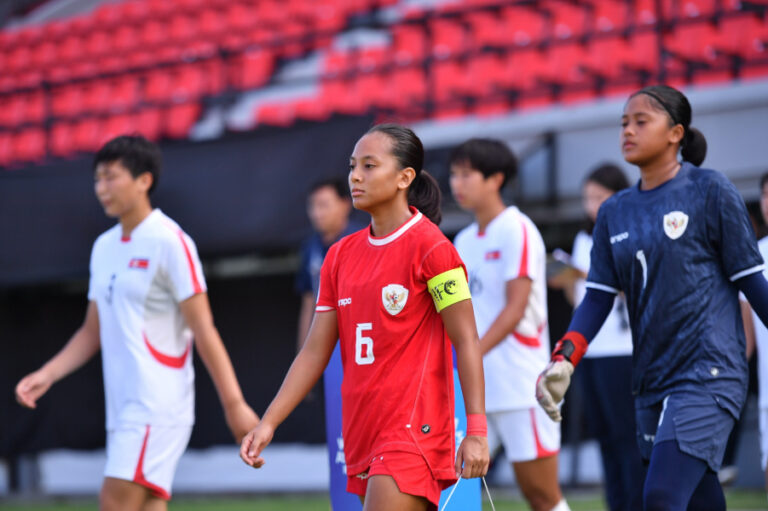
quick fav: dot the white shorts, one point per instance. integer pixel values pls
(525, 434)
(146, 455)
(762, 413)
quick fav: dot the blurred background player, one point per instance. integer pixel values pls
(395, 295)
(757, 340)
(607, 366)
(147, 302)
(505, 258)
(328, 208)
(680, 245)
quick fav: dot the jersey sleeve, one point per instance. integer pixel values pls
(326, 295)
(183, 267)
(516, 253)
(602, 271)
(733, 234)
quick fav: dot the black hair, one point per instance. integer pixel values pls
(608, 176)
(424, 192)
(693, 146)
(763, 180)
(488, 156)
(135, 153)
(338, 185)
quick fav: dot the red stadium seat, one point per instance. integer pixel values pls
(276, 114)
(61, 139)
(154, 33)
(71, 48)
(179, 119)
(181, 28)
(487, 30)
(410, 44)
(251, 69)
(523, 68)
(448, 38)
(568, 20)
(609, 15)
(29, 145)
(241, 17)
(44, 54)
(524, 25)
(66, 100)
(338, 63)
(211, 23)
(116, 125)
(148, 122)
(745, 36)
(485, 75)
(311, 109)
(448, 81)
(86, 134)
(124, 94)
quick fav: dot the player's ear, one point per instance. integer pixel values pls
(405, 178)
(145, 180)
(497, 179)
(676, 134)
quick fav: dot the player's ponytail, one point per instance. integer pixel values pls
(424, 192)
(693, 146)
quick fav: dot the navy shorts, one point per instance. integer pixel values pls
(698, 424)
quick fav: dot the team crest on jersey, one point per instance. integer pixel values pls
(675, 223)
(394, 296)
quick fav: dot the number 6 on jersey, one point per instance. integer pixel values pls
(363, 345)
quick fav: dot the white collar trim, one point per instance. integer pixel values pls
(377, 242)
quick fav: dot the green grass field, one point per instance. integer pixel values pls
(737, 501)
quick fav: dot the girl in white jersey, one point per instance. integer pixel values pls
(147, 302)
(505, 258)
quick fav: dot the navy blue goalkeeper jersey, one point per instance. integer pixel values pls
(675, 251)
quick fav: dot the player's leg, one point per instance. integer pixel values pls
(531, 441)
(538, 482)
(708, 495)
(383, 494)
(672, 478)
(121, 495)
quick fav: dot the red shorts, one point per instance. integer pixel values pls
(410, 472)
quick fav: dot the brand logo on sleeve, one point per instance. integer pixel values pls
(139, 263)
(619, 237)
(394, 297)
(675, 223)
(345, 301)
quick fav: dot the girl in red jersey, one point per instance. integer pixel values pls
(393, 294)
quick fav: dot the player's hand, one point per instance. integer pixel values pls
(255, 442)
(551, 386)
(472, 458)
(240, 419)
(32, 387)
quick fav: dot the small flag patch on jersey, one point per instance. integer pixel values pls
(493, 255)
(138, 262)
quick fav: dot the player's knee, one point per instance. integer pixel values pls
(539, 499)
(658, 497)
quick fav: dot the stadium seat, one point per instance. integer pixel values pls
(179, 119)
(409, 44)
(29, 145)
(86, 134)
(524, 26)
(61, 139)
(448, 38)
(148, 122)
(447, 81)
(569, 20)
(67, 100)
(276, 114)
(609, 15)
(487, 30)
(485, 75)
(251, 69)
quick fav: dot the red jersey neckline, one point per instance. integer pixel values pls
(385, 240)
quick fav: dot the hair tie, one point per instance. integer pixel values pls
(664, 105)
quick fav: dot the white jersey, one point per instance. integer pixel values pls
(615, 337)
(761, 340)
(511, 247)
(146, 346)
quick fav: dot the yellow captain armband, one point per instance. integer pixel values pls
(448, 288)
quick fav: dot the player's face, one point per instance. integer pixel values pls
(764, 202)
(327, 211)
(593, 196)
(647, 133)
(375, 176)
(117, 190)
(469, 186)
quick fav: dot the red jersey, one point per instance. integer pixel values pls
(397, 392)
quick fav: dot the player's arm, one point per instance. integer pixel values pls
(81, 347)
(197, 314)
(450, 293)
(517, 292)
(304, 372)
(755, 289)
(305, 318)
(586, 322)
(749, 327)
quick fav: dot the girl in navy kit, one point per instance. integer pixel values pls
(680, 246)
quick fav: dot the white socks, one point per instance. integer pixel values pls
(561, 506)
